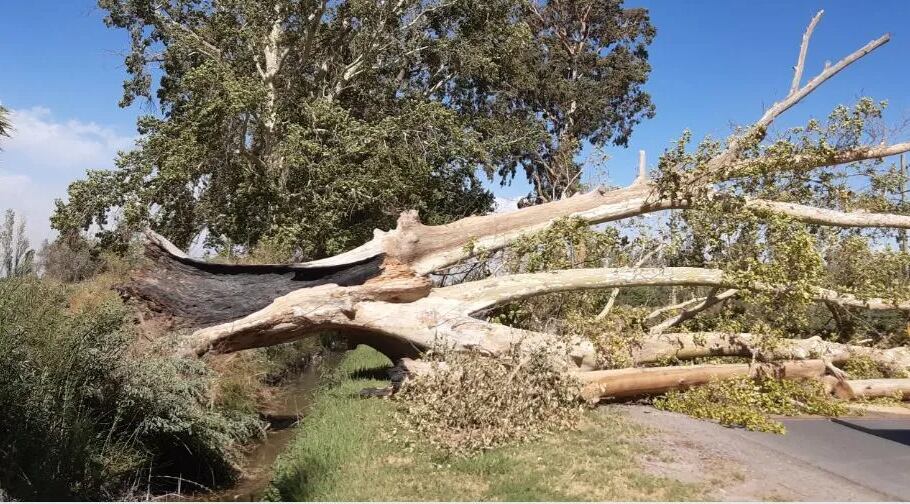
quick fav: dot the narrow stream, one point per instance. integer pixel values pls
(291, 403)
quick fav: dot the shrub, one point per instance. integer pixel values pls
(469, 402)
(84, 417)
(69, 258)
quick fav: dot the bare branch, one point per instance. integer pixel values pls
(803, 49)
(824, 216)
(806, 162)
(689, 312)
(687, 346)
(733, 149)
(677, 306)
(642, 168)
(489, 292)
(615, 292)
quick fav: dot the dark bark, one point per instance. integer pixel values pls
(199, 293)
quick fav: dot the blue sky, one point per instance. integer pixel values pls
(714, 64)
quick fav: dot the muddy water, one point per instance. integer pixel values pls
(290, 403)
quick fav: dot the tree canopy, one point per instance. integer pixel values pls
(303, 125)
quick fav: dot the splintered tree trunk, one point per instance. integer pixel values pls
(380, 293)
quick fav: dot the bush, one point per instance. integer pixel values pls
(84, 416)
(69, 258)
(470, 402)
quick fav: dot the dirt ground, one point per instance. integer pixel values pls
(735, 464)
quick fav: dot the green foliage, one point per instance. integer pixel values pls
(855, 266)
(85, 416)
(566, 243)
(469, 402)
(614, 337)
(307, 125)
(863, 367)
(747, 402)
(69, 258)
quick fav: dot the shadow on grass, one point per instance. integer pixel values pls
(374, 373)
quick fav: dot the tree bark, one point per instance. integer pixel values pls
(636, 382)
(871, 389)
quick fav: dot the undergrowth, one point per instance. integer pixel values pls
(748, 402)
(85, 415)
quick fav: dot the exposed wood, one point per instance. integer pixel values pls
(827, 217)
(803, 49)
(635, 382)
(658, 312)
(380, 294)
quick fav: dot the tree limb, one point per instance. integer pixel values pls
(691, 311)
(635, 382)
(484, 294)
(687, 346)
(803, 49)
(827, 217)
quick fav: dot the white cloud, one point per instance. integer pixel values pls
(31, 202)
(40, 143)
(504, 204)
(41, 158)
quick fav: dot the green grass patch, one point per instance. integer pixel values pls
(349, 449)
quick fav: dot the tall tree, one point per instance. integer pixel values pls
(16, 256)
(5, 125)
(305, 124)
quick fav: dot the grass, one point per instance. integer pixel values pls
(348, 449)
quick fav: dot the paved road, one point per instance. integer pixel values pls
(874, 453)
(850, 459)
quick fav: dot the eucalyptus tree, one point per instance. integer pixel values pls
(769, 222)
(304, 124)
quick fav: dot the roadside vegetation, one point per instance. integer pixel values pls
(86, 415)
(93, 402)
(349, 449)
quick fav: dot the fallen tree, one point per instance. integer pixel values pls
(382, 293)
